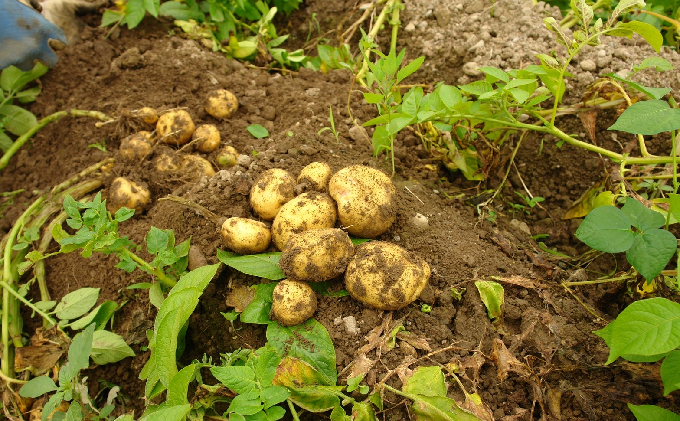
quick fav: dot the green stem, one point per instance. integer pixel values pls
(293, 412)
(371, 35)
(165, 280)
(28, 303)
(394, 21)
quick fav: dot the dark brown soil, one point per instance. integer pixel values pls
(545, 326)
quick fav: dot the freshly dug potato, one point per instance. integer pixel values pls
(196, 167)
(221, 103)
(308, 211)
(126, 193)
(315, 177)
(175, 127)
(272, 189)
(227, 157)
(148, 115)
(246, 236)
(385, 276)
(207, 138)
(316, 255)
(168, 163)
(366, 200)
(293, 302)
(136, 146)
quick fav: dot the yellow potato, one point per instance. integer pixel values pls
(366, 200)
(221, 104)
(246, 236)
(126, 193)
(175, 127)
(385, 276)
(227, 157)
(272, 189)
(207, 138)
(168, 163)
(315, 177)
(136, 146)
(148, 115)
(196, 167)
(293, 302)
(316, 255)
(308, 211)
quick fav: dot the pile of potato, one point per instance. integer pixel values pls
(303, 227)
(175, 128)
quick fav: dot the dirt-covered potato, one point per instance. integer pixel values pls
(293, 302)
(126, 193)
(246, 236)
(315, 177)
(221, 103)
(272, 189)
(168, 163)
(148, 115)
(385, 276)
(196, 167)
(316, 255)
(207, 138)
(175, 127)
(227, 157)
(308, 211)
(366, 200)
(136, 146)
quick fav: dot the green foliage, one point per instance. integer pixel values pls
(13, 118)
(493, 297)
(648, 118)
(263, 265)
(258, 131)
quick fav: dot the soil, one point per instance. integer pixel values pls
(546, 327)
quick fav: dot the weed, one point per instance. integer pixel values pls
(332, 128)
(101, 145)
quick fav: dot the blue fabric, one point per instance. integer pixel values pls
(23, 36)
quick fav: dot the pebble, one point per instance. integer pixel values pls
(359, 134)
(244, 160)
(420, 222)
(351, 325)
(588, 65)
(470, 69)
(411, 27)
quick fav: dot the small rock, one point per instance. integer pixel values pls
(131, 59)
(419, 222)
(470, 68)
(475, 6)
(411, 27)
(520, 226)
(196, 258)
(588, 65)
(244, 160)
(268, 112)
(478, 46)
(603, 61)
(313, 92)
(359, 134)
(351, 325)
(422, 25)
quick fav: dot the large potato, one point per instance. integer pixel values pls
(293, 302)
(246, 236)
(311, 210)
(221, 103)
(126, 193)
(314, 176)
(175, 127)
(136, 146)
(316, 255)
(366, 200)
(272, 189)
(385, 276)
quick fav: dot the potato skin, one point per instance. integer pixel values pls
(196, 167)
(314, 176)
(175, 127)
(207, 137)
(385, 276)
(126, 193)
(293, 302)
(317, 255)
(221, 104)
(308, 211)
(366, 200)
(227, 157)
(246, 236)
(136, 147)
(272, 189)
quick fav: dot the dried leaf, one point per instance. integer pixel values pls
(414, 340)
(239, 298)
(506, 362)
(589, 120)
(473, 403)
(517, 280)
(38, 359)
(361, 365)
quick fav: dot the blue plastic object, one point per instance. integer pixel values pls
(23, 36)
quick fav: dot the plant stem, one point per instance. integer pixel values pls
(165, 280)
(28, 303)
(293, 412)
(371, 35)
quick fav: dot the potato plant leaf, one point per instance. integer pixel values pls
(263, 265)
(99, 316)
(606, 229)
(651, 251)
(492, 295)
(37, 386)
(257, 312)
(645, 30)
(652, 413)
(648, 118)
(109, 347)
(17, 120)
(670, 372)
(76, 303)
(258, 131)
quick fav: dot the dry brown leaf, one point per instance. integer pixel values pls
(38, 359)
(475, 362)
(480, 410)
(360, 365)
(589, 120)
(554, 398)
(414, 340)
(506, 362)
(374, 336)
(521, 414)
(239, 297)
(517, 280)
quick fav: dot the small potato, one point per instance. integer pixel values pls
(175, 127)
(308, 211)
(126, 193)
(136, 146)
(221, 104)
(207, 138)
(227, 157)
(272, 189)
(315, 177)
(293, 302)
(366, 200)
(148, 115)
(196, 167)
(246, 236)
(385, 276)
(316, 255)
(168, 163)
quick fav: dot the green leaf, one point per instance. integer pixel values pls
(168, 413)
(109, 17)
(258, 131)
(263, 265)
(651, 251)
(477, 88)
(670, 372)
(646, 327)
(363, 411)
(492, 295)
(78, 354)
(410, 68)
(28, 95)
(449, 96)
(372, 98)
(179, 386)
(495, 73)
(5, 141)
(640, 216)
(157, 240)
(152, 6)
(645, 30)
(648, 118)
(176, 10)
(652, 413)
(258, 310)
(606, 229)
(654, 93)
(520, 95)
(17, 120)
(109, 347)
(659, 63)
(74, 413)
(134, 13)
(13, 79)
(99, 316)
(316, 398)
(427, 381)
(439, 408)
(37, 386)
(246, 404)
(240, 379)
(76, 303)
(271, 395)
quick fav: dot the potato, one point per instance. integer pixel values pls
(308, 211)
(272, 189)
(168, 163)
(136, 146)
(196, 167)
(148, 115)
(175, 127)
(227, 157)
(125, 193)
(293, 302)
(385, 276)
(221, 104)
(207, 138)
(316, 255)
(366, 200)
(315, 177)
(246, 236)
